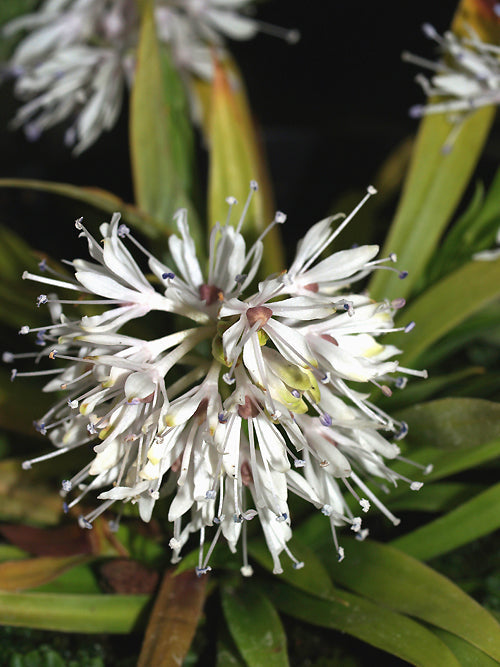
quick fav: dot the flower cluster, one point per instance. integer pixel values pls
(252, 401)
(466, 78)
(79, 55)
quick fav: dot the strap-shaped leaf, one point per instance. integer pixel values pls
(466, 654)
(73, 613)
(96, 197)
(255, 626)
(160, 187)
(452, 423)
(312, 577)
(235, 160)
(376, 625)
(393, 579)
(466, 523)
(447, 304)
(437, 497)
(20, 575)
(174, 618)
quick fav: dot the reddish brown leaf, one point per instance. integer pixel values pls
(123, 575)
(21, 575)
(173, 621)
(68, 540)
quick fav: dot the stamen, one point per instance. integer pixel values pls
(370, 191)
(253, 188)
(375, 500)
(27, 465)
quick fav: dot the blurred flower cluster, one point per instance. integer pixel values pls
(79, 55)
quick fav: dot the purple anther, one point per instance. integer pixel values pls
(325, 419)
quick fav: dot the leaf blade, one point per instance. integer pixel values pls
(466, 523)
(116, 614)
(255, 626)
(392, 578)
(95, 197)
(174, 618)
(438, 311)
(364, 620)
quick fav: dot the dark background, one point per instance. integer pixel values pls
(330, 109)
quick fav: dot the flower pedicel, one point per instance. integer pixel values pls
(269, 412)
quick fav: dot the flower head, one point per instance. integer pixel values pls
(466, 78)
(79, 55)
(252, 401)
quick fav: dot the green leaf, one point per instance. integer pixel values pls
(96, 197)
(436, 497)
(467, 655)
(453, 423)
(312, 578)
(77, 580)
(10, 552)
(179, 125)
(118, 614)
(447, 304)
(474, 231)
(432, 190)
(227, 656)
(479, 325)
(235, 160)
(17, 297)
(417, 391)
(369, 622)
(393, 579)
(466, 523)
(255, 626)
(452, 462)
(158, 184)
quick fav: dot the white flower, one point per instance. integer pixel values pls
(465, 79)
(251, 402)
(79, 55)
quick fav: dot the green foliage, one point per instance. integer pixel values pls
(312, 578)
(474, 231)
(392, 579)
(161, 146)
(360, 618)
(118, 614)
(255, 626)
(97, 198)
(473, 519)
(447, 304)
(432, 190)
